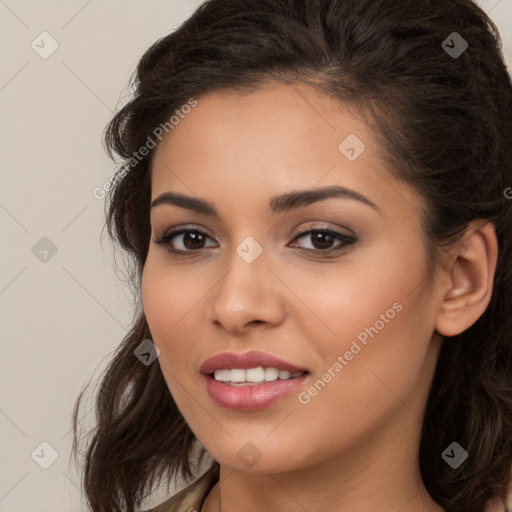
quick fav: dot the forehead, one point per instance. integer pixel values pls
(266, 118)
(269, 141)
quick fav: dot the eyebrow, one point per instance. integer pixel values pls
(278, 204)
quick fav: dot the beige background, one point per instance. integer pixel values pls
(61, 318)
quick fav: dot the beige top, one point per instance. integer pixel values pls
(192, 497)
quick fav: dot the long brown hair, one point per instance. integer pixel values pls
(443, 115)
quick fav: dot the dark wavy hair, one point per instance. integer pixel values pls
(444, 124)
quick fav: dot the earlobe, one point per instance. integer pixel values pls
(470, 279)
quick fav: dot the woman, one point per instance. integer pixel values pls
(315, 201)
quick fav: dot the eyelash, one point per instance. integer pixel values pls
(345, 239)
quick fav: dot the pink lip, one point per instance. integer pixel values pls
(250, 398)
(251, 359)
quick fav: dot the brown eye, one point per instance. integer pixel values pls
(186, 240)
(183, 242)
(322, 240)
(193, 240)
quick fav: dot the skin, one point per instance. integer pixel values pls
(354, 446)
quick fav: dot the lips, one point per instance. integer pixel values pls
(253, 398)
(245, 361)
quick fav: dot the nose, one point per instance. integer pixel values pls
(248, 294)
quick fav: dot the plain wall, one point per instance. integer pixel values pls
(63, 314)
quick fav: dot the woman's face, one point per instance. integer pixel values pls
(337, 287)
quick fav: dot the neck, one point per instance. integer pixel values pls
(365, 478)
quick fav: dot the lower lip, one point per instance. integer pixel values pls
(252, 397)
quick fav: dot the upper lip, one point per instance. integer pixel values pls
(251, 359)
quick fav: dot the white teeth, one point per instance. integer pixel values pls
(223, 375)
(253, 375)
(237, 376)
(271, 374)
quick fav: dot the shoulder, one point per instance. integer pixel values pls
(191, 498)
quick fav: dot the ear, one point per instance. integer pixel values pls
(468, 284)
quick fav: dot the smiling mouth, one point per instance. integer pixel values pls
(253, 376)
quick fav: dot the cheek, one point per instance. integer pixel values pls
(168, 294)
(354, 305)
(163, 309)
(156, 300)
(165, 301)
(172, 299)
(381, 324)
